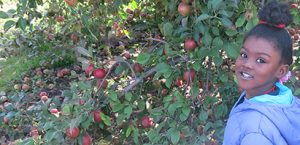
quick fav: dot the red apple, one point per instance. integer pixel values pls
(71, 3)
(25, 87)
(74, 38)
(127, 55)
(34, 132)
(189, 75)
(26, 80)
(89, 69)
(138, 67)
(99, 73)
(44, 98)
(97, 117)
(103, 84)
(50, 37)
(65, 71)
(5, 120)
(86, 140)
(178, 82)
(146, 122)
(59, 18)
(43, 94)
(164, 91)
(190, 44)
(54, 111)
(294, 6)
(129, 11)
(183, 9)
(59, 74)
(81, 101)
(74, 133)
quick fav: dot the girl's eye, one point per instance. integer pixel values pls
(260, 60)
(243, 55)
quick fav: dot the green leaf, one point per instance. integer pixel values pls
(232, 51)
(8, 24)
(183, 117)
(175, 136)
(156, 111)
(67, 108)
(128, 111)
(186, 111)
(218, 42)
(168, 29)
(141, 105)
(143, 58)
(120, 119)
(195, 90)
(117, 106)
(297, 91)
(203, 116)
(240, 21)
(52, 134)
(162, 68)
(105, 118)
(231, 32)
(215, 31)
(223, 77)
(28, 141)
(226, 22)
(48, 125)
(171, 109)
(112, 95)
(202, 17)
(22, 23)
(128, 96)
(3, 15)
(218, 61)
(67, 93)
(128, 131)
(221, 110)
(207, 39)
(153, 136)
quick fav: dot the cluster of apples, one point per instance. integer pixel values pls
(74, 133)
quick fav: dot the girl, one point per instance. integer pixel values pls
(266, 113)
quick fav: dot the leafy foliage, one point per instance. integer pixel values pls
(148, 95)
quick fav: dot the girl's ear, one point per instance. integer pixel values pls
(282, 71)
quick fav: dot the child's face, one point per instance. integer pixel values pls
(257, 67)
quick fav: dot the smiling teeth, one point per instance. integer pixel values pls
(246, 75)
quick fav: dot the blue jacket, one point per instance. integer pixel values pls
(264, 123)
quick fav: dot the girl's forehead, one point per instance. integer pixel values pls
(259, 45)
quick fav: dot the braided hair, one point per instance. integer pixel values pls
(274, 17)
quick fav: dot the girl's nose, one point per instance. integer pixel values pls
(247, 64)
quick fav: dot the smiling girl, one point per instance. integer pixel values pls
(266, 113)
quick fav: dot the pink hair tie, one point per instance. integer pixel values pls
(281, 26)
(285, 78)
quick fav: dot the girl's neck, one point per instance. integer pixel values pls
(251, 94)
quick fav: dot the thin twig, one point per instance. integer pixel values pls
(138, 80)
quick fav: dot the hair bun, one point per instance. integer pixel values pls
(275, 13)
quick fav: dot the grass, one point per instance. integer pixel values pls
(13, 68)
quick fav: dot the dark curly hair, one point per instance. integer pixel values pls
(274, 14)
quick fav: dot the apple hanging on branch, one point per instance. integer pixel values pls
(190, 44)
(74, 133)
(184, 9)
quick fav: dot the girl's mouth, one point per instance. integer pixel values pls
(246, 75)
